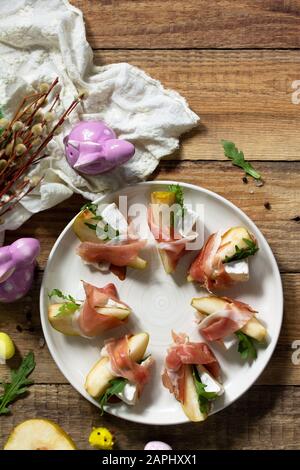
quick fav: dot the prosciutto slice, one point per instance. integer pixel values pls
(208, 268)
(168, 240)
(90, 322)
(184, 352)
(123, 366)
(117, 255)
(227, 321)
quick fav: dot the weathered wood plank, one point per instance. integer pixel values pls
(281, 189)
(25, 314)
(193, 24)
(264, 418)
(244, 96)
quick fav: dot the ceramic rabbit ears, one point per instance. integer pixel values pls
(19, 254)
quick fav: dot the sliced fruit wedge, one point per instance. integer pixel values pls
(63, 324)
(97, 380)
(191, 405)
(83, 228)
(39, 434)
(159, 200)
(234, 237)
(212, 304)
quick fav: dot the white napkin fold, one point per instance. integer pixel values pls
(40, 40)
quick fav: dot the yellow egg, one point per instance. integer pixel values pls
(101, 438)
(7, 347)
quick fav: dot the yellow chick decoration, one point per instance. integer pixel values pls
(101, 439)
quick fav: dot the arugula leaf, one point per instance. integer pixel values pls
(246, 348)
(91, 226)
(19, 383)
(179, 199)
(68, 307)
(238, 159)
(91, 207)
(203, 397)
(58, 293)
(115, 386)
(241, 253)
(179, 196)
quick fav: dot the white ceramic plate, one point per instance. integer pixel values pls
(160, 303)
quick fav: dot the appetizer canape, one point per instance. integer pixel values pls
(102, 310)
(122, 371)
(192, 374)
(171, 224)
(223, 259)
(230, 322)
(107, 241)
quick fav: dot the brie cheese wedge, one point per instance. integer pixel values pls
(238, 270)
(212, 385)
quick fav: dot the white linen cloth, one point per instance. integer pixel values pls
(41, 40)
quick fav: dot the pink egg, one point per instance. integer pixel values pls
(157, 445)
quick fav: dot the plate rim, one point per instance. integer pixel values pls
(200, 189)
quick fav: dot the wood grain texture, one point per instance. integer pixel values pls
(281, 190)
(191, 24)
(264, 418)
(244, 96)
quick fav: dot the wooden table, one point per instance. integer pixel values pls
(235, 62)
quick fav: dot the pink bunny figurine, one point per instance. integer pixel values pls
(93, 148)
(17, 263)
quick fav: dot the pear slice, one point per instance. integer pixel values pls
(212, 304)
(86, 234)
(161, 201)
(83, 231)
(117, 312)
(99, 376)
(191, 405)
(63, 324)
(39, 434)
(233, 237)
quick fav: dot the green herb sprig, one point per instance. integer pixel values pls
(238, 159)
(246, 346)
(204, 397)
(91, 207)
(18, 385)
(116, 386)
(241, 253)
(68, 307)
(179, 199)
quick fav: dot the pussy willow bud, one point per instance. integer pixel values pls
(44, 87)
(37, 129)
(20, 149)
(3, 123)
(49, 116)
(19, 140)
(43, 102)
(17, 126)
(8, 148)
(36, 142)
(34, 181)
(2, 164)
(39, 116)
